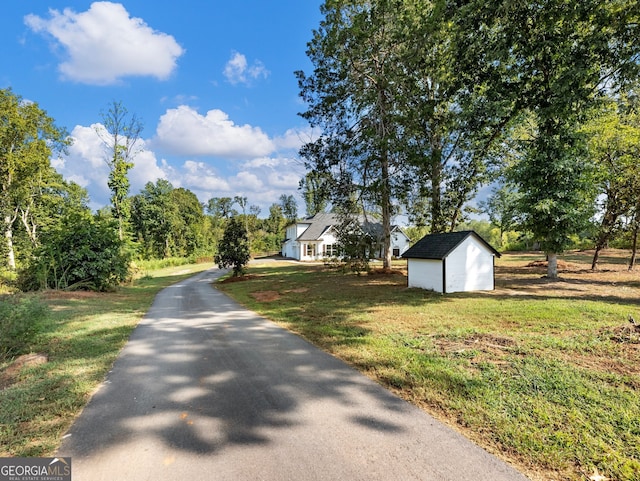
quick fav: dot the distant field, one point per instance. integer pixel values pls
(545, 374)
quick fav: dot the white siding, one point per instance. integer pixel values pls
(317, 249)
(291, 248)
(399, 243)
(469, 267)
(425, 274)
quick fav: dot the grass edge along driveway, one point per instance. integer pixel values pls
(543, 374)
(80, 340)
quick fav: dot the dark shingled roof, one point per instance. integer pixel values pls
(319, 225)
(439, 246)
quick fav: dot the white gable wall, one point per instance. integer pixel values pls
(469, 267)
(425, 274)
(399, 243)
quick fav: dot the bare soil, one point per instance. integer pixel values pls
(11, 373)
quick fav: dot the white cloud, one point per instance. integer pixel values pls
(262, 179)
(183, 131)
(238, 70)
(200, 176)
(247, 182)
(295, 138)
(286, 180)
(105, 44)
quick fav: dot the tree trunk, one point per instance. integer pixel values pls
(634, 249)
(437, 219)
(386, 213)
(552, 265)
(596, 255)
(8, 235)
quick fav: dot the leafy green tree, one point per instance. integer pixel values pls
(276, 221)
(553, 58)
(152, 218)
(233, 248)
(120, 133)
(289, 208)
(79, 252)
(614, 149)
(167, 221)
(502, 208)
(315, 186)
(28, 139)
(189, 234)
(350, 97)
(220, 207)
(450, 131)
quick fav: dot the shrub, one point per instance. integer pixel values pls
(81, 252)
(21, 319)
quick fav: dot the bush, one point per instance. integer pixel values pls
(21, 319)
(80, 253)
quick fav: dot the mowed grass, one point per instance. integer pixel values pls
(81, 340)
(544, 374)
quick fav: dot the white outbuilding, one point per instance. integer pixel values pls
(452, 262)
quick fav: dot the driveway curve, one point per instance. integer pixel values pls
(207, 390)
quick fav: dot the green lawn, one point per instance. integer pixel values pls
(82, 338)
(544, 374)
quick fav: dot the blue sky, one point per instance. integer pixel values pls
(212, 82)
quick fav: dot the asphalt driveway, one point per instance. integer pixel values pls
(207, 390)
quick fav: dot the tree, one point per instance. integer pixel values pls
(501, 207)
(554, 59)
(167, 221)
(188, 232)
(152, 218)
(28, 138)
(350, 97)
(233, 248)
(448, 118)
(119, 132)
(315, 188)
(220, 207)
(289, 208)
(274, 224)
(614, 149)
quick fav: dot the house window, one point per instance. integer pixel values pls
(331, 250)
(311, 250)
(396, 252)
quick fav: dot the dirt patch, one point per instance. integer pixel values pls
(299, 290)
(9, 375)
(229, 280)
(386, 272)
(266, 296)
(562, 265)
(71, 295)
(521, 274)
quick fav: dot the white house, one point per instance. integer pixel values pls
(453, 262)
(314, 238)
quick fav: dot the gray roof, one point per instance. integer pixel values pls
(319, 224)
(439, 246)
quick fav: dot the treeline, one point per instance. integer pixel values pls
(52, 239)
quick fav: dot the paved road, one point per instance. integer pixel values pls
(206, 390)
